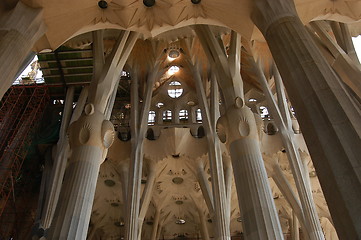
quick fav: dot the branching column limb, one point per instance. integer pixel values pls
(308, 206)
(147, 194)
(215, 159)
(206, 191)
(155, 224)
(59, 163)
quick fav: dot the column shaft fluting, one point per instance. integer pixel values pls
(329, 120)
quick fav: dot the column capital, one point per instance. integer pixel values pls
(267, 13)
(91, 129)
(238, 122)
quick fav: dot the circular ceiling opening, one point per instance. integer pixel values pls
(114, 204)
(173, 54)
(175, 89)
(109, 183)
(179, 202)
(177, 180)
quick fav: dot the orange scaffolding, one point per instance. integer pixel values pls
(20, 111)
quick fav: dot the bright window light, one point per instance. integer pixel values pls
(151, 118)
(175, 89)
(173, 69)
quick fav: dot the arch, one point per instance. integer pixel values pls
(150, 134)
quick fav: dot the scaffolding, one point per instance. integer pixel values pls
(20, 110)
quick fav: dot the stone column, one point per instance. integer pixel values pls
(206, 190)
(329, 121)
(284, 186)
(176, 115)
(89, 138)
(59, 161)
(155, 224)
(20, 28)
(146, 196)
(228, 177)
(283, 123)
(295, 228)
(203, 225)
(237, 128)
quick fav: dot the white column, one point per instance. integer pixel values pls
(147, 194)
(203, 225)
(139, 127)
(203, 183)
(284, 186)
(238, 130)
(228, 177)
(215, 159)
(308, 206)
(295, 228)
(20, 29)
(260, 219)
(328, 119)
(59, 163)
(89, 138)
(155, 224)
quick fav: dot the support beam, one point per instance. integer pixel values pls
(295, 227)
(284, 186)
(330, 123)
(228, 177)
(59, 163)
(203, 183)
(340, 61)
(312, 223)
(155, 224)
(203, 225)
(147, 194)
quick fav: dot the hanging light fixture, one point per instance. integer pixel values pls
(149, 3)
(196, 1)
(103, 4)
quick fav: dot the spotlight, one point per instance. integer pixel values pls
(103, 4)
(149, 3)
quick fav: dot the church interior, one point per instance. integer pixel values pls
(187, 119)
